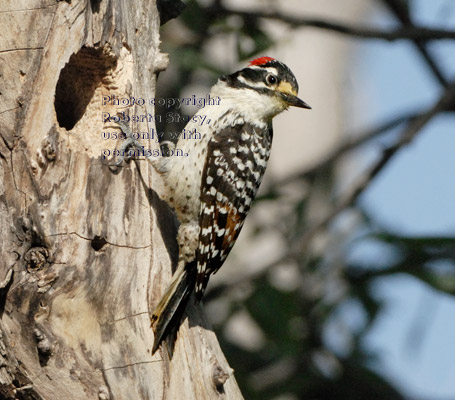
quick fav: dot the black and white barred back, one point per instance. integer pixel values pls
(211, 190)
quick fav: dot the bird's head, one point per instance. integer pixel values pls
(266, 83)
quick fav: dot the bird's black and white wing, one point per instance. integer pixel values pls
(236, 160)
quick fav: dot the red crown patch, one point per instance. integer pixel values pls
(261, 61)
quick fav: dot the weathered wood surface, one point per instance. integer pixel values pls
(85, 250)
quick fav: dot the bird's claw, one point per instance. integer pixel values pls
(129, 142)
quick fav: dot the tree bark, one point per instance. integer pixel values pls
(87, 250)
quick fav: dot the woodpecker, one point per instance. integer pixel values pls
(211, 189)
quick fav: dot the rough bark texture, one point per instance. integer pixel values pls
(86, 251)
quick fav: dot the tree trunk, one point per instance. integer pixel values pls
(87, 250)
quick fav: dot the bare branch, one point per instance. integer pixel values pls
(406, 32)
(419, 35)
(401, 12)
(358, 140)
(415, 126)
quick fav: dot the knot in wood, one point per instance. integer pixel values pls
(43, 344)
(219, 377)
(103, 393)
(36, 258)
(49, 149)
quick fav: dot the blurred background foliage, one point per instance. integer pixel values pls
(292, 357)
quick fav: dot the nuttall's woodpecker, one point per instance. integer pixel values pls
(211, 189)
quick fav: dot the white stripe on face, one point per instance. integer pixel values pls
(259, 85)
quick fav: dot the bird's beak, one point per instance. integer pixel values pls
(295, 101)
(289, 95)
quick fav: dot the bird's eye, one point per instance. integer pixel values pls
(271, 79)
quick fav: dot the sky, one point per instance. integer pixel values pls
(414, 195)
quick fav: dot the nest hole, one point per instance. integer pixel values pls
(84, 72)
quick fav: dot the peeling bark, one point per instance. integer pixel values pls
(87, 250)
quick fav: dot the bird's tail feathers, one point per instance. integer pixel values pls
(168, 313)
